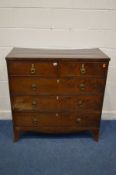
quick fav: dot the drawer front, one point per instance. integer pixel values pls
(29, 68)
(56, 119)
(81, 103)
(56, 103)
(82, 69)
(34, 86)
(55, 68)
(34, 103)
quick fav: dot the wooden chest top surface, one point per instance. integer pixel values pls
(64, 54)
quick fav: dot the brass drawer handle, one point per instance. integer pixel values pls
(34, 86)
(82, 69)
(55, 64)
(78, 120)
(33, 70)
(82, 87)
(35, 122)
(34, 103)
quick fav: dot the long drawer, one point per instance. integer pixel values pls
(56, 103)
(55, 68)
(34, 85)
(54, 119)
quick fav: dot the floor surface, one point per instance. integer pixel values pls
(76, 154)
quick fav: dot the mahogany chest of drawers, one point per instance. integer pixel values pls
(57, 91)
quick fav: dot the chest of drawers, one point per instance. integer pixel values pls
(56, 91)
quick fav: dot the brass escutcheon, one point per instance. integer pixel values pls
(34, 86)
(57, 97)
(58, 81)
(80, 103)
(57, 114)
(55, 64)
(82, 86)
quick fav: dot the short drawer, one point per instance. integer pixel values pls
(56, 119)
(56, 103)
(33, 68)
(70, 69)
(35, 86)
